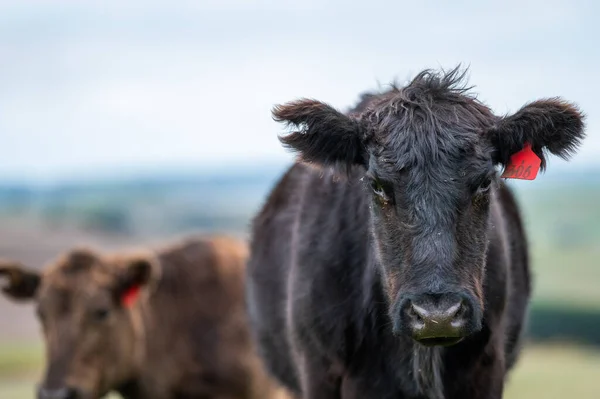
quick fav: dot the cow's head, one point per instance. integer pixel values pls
(429, 154)
(90, 319)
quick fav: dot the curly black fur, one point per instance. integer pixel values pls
(422, 211)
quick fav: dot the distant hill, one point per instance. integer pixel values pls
(177, 201)
(164, 203)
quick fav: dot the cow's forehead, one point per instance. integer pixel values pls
(455, 161)
(427, 123)
(62, 277)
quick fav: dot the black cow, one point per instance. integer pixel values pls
(391, 261)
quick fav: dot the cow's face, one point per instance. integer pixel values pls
(430, 232)
(429, 153)
(93, 335)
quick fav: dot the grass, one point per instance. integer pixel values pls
(20, 358)
(556, 371)
(17, 388)
(567, 277)
(550, 371)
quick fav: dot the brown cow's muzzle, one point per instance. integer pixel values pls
(58, 393)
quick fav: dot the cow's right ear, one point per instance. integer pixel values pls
(322, 135)
(135, 273)
(18, 282)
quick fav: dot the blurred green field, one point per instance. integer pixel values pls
(545, 371)
(556, 371)
(563, 222)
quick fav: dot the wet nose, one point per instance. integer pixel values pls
(437, 319)
(59, 393)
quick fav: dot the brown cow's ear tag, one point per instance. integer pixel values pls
(523, 165)
(130, 295)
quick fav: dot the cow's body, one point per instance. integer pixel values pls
(195, 328)
(395, 265)
(314, 289)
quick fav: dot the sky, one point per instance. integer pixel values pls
(109, 87)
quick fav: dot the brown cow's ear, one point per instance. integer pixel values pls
(136, 272)
(550, 125)
(21, 283)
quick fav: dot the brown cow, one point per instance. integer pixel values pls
(165, 324)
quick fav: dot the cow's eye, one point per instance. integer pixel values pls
(100, 314)
(380, 191)
(484, 186)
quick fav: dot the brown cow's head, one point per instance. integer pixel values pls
(428, 154)
(92, 336)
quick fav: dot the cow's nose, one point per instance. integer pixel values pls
(437, 319)
(58, 393)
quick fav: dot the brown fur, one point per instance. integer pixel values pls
(186, 336)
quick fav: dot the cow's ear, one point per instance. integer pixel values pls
(322, 135)
(135, 273)
(18, 282)
(549, 125)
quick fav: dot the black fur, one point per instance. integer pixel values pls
(421, 210)
(320, 122)
(553, 125)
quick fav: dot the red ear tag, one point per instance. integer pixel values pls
(130, 295)
(523, 165)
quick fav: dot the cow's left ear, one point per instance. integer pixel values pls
(135, 273)
(21, 283)
(548, 125)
